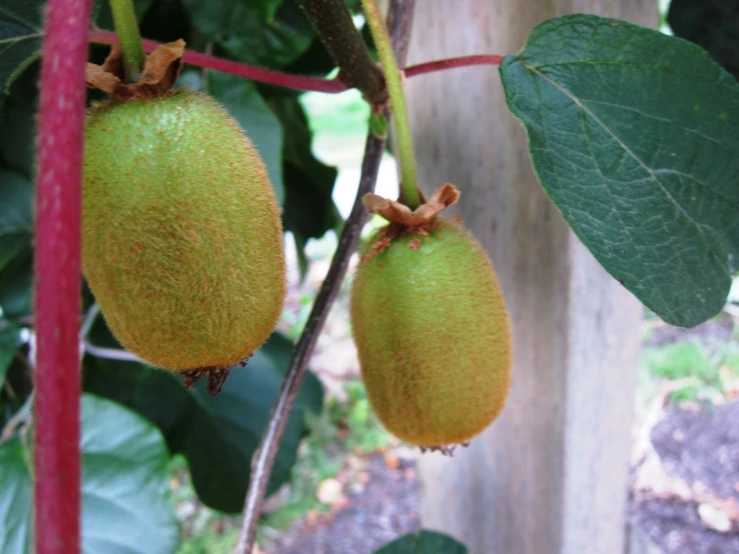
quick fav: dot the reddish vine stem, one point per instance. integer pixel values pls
(399, 22)
(451, 63)
(298, 82)
(57, 278)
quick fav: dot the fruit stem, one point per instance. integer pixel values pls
(57, 281)
(127, 28)
(399, 21)
(394, 81)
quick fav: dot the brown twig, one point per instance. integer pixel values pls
(399, 22)
(335, 27)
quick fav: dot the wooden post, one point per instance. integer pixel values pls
(550, 475)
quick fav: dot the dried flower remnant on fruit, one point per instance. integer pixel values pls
(160, 73)
(216, 377)
(403, 217)
(444, 450)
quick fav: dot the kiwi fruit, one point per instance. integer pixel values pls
(432, 334)
(182, 241)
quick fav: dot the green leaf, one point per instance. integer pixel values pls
(126, 506)
(16, 495)
(635, 137)
(16, 280)
(217, 434)
(9, 342)
(252, 31)
(16, 206)
(125, 486)
(309, 210)
(243, 101)
(424, 542)
(712, 24)
(20, 38)
(18, 115)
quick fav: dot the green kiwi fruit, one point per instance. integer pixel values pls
(182, 237)
(432, 334)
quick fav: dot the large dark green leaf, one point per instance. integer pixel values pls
(309, 210)
(18, 124)
(9, 342)
(169, 21)
(125, 483)
(635, 137)
(125, 486)
(16, 220)
(713, 24)
(16, 495)
(16, 280)
(20, 38)
(217, 434)
(252, 31)
(424, 542)
(246, 105)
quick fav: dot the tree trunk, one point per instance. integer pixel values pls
(550, 475)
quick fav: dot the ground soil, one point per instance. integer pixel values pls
(372, 513)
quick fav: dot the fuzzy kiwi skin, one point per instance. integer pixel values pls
(182, 237)
(433, 336)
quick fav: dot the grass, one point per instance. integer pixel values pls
(697, 368)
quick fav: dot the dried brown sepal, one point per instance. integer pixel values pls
(420, 218)
(160, 73)
(216, 377)
(403, 220)
(447, 450)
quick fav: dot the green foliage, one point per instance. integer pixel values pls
(424, 542)
(364, 431)
(697, 369)
(125, 487)
(20, 38)
(16, 499)
(712, 24)
(268, 32)
(9, 342)
(309, 210)
(217, 434)
(680, 361)
(633, 135)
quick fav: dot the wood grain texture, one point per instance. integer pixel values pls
(550, 475)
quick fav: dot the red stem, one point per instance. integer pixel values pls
(297, 82)
(57, 278)
(269, 76)
(450, 63)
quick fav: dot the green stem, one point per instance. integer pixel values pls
(127, 30)
(394, 82)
